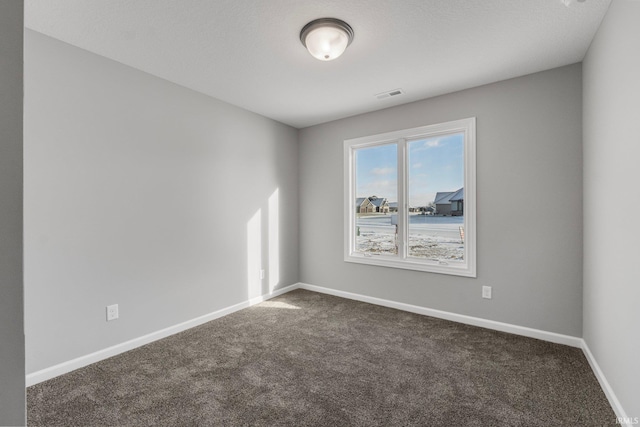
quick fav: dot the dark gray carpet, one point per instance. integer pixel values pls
(308, 359)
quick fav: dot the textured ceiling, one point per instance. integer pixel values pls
(247, 52)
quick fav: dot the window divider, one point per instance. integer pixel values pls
(403, 203)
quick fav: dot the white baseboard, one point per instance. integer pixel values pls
(63, 368)
(82, 361)
(623, 419)
(460, 318)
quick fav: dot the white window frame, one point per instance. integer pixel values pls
(467, 267)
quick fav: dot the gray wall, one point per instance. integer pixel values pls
(139, 192)
(12, 398)
(611, 176)
(529, 180)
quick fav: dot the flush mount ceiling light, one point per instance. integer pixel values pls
(326, 38)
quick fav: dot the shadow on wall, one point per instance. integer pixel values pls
(255, 272)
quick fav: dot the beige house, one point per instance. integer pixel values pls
(364, 205)
(372, 204)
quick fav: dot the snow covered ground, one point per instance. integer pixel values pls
(430, 237)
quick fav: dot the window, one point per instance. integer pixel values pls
(410, 199)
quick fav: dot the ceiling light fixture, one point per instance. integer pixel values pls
(326, 38)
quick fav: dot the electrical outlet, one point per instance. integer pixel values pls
(486, 292)
(261, 274)
(112, 312)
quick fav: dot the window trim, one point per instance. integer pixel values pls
(465, 268)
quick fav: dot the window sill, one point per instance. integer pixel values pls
(455, 268)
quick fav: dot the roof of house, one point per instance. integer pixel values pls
(445, 197)
(378, 201)
(359, 200)
(458, 195)
(375, 200)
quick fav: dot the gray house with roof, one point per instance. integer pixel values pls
(450, 202)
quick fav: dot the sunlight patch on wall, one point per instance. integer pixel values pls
(274, 240)
(254, 255)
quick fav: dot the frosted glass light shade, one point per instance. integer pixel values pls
(326, 43)
(326, 38)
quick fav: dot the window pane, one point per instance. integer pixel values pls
(376, 199)
(436, 198)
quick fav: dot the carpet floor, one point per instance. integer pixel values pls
(309, 359)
